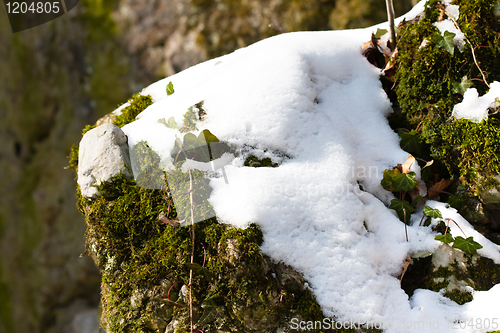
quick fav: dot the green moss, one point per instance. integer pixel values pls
(138, 103)
(427, 77)
(191, 117)
(458, 297)
(255, 162)
(135, 251)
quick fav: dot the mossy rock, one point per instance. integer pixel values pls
(142, 259)
(428, 81)
(453, 273)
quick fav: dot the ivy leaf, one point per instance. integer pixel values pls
(209, 138)
(416, 200)
(462, 86)
(199, 270)
(402, 206)
(405, 181)
(456, 202)
(410, 142)
(467, 245)
(172, 124)
(434, 213)
(430, 2)
(170, 88)
(190, 141)
(387, 181)
(446, 41)
(380, 32)
(209, 313)
(447, 239)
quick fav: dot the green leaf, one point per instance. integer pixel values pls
(209, 313)
(170, 88)
(448, 238)
(402, 206)
(446, 41)
(380, 32)
(467, 245)
(416, 200)
(456, 202)
(209, 138)
(172, 123)
(434, 213)
(387, 181)
(430, 2)
(410, 142)
(190, 141)
(197, 269)
(405, 181)
(162, 121)
(462, 86)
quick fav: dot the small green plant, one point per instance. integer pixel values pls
(202, 148)
(170, 88)
(468, 245)
(401, 179)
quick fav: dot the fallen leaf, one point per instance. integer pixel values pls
(407, 264)
(173, 223)
(438, 187)
(406, 165)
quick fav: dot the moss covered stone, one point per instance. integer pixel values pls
(142, 259)
(428, 86)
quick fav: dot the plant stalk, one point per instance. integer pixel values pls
(390, 15)
(192, 250)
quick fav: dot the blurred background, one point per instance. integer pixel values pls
(62, 75)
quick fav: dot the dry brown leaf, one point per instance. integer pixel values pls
(438, 187)
(406, 165)
(428, 164)
(407, 264)
(173, 223)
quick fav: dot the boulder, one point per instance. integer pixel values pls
(103, 153)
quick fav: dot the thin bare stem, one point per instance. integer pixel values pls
(468, 41)
(448, 219)
(406, 230)
(277, 28)
(192, 250)
(390, 16)
(421, 220)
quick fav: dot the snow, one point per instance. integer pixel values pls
(476, 108)
(449, 25)
(312, 97)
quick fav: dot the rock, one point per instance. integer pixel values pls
(451, 272)
(103, 153)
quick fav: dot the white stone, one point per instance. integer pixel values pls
(103, 153)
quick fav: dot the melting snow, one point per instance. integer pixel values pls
(313, 97)
(476, 108)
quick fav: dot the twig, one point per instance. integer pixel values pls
(192, 250)
(448, 222)
(390, 15)
(468, 41)
(407, 264)
(277, 28)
